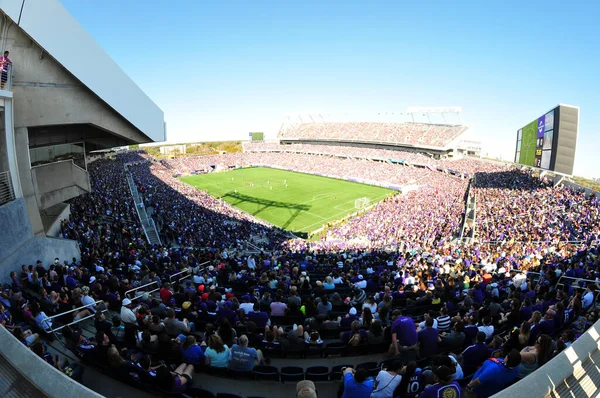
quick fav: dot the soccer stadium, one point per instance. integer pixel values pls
(346, 258)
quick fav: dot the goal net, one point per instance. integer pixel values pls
(361, 203)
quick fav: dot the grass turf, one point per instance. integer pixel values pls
(296, 202)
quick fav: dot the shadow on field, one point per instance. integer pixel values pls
(265, 204)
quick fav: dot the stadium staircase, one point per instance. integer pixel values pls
(148, 224)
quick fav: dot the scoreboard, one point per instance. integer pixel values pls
(254, 136)
(549, 142)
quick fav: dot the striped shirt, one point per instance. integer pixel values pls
(443, 323)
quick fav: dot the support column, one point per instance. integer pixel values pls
(27, 184)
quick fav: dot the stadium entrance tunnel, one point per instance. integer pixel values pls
(265, 204)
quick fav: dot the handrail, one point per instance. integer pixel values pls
(141, 287)
(528, 272)
(45, 321)
(575, 279)
(186, 270)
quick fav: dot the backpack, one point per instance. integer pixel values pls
(354, 340)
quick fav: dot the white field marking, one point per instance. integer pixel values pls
(377, 199)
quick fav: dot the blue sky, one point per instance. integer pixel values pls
(220, 69)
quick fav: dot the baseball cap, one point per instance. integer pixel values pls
(352, 311)
(306, 389)
(360, 277)
(126, 301)
(186, 305)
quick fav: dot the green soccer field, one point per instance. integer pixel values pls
(293, 201)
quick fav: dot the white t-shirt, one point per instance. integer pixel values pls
(386, 385)
(435, 324)
(247, 307)
(88, 302)
(459, 372)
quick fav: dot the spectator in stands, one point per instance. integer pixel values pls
(217, 353)
(444, 386)
(487, 327)
(244, 358)
(177, 381)
(127, 315)
(495, 374)
(356, 383)
(473, 356)
(455, 339)
(278, 307)
(428, 339)
(192, 352)
(28, 338)
(404, 334)
(388, 379)
(536, 356)
(443, 321)
(588, 297)
(175, 327)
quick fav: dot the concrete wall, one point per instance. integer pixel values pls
(57, 182)
(27, 187)
(550, 376)
(51, 26)
(18, 245)
(52, 216)
(45, 93)
(38, 372)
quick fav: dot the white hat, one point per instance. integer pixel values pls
(92, 279)
(360, 277)
(352, 311)
(126, 301)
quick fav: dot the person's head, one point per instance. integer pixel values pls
(459, 327)
(145, 362)
(544, 348)
(429, 322)
(102, 338)
(243, 341)
(376, 328)
(568, 335)
(481, 337)
(355, 326)
(6, 54)
(188, 342)
(116, 321)
(525, 328)
(360, 375)
(216, 343)
(146, 336)
(513, 359)
(443, 374)
(114, 358)
(536, 317)
(171, 313)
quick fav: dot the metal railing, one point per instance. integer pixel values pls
(142, 287)
(54, 330)
(185, 271)
(6, 77)
(7, 193)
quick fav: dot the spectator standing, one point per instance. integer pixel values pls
(4, 66)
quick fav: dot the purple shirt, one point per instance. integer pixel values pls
(428, 342)
(278, 308)
(405, 330)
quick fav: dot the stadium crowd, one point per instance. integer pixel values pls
(435, 135)
(468, 318)
(466, 165)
